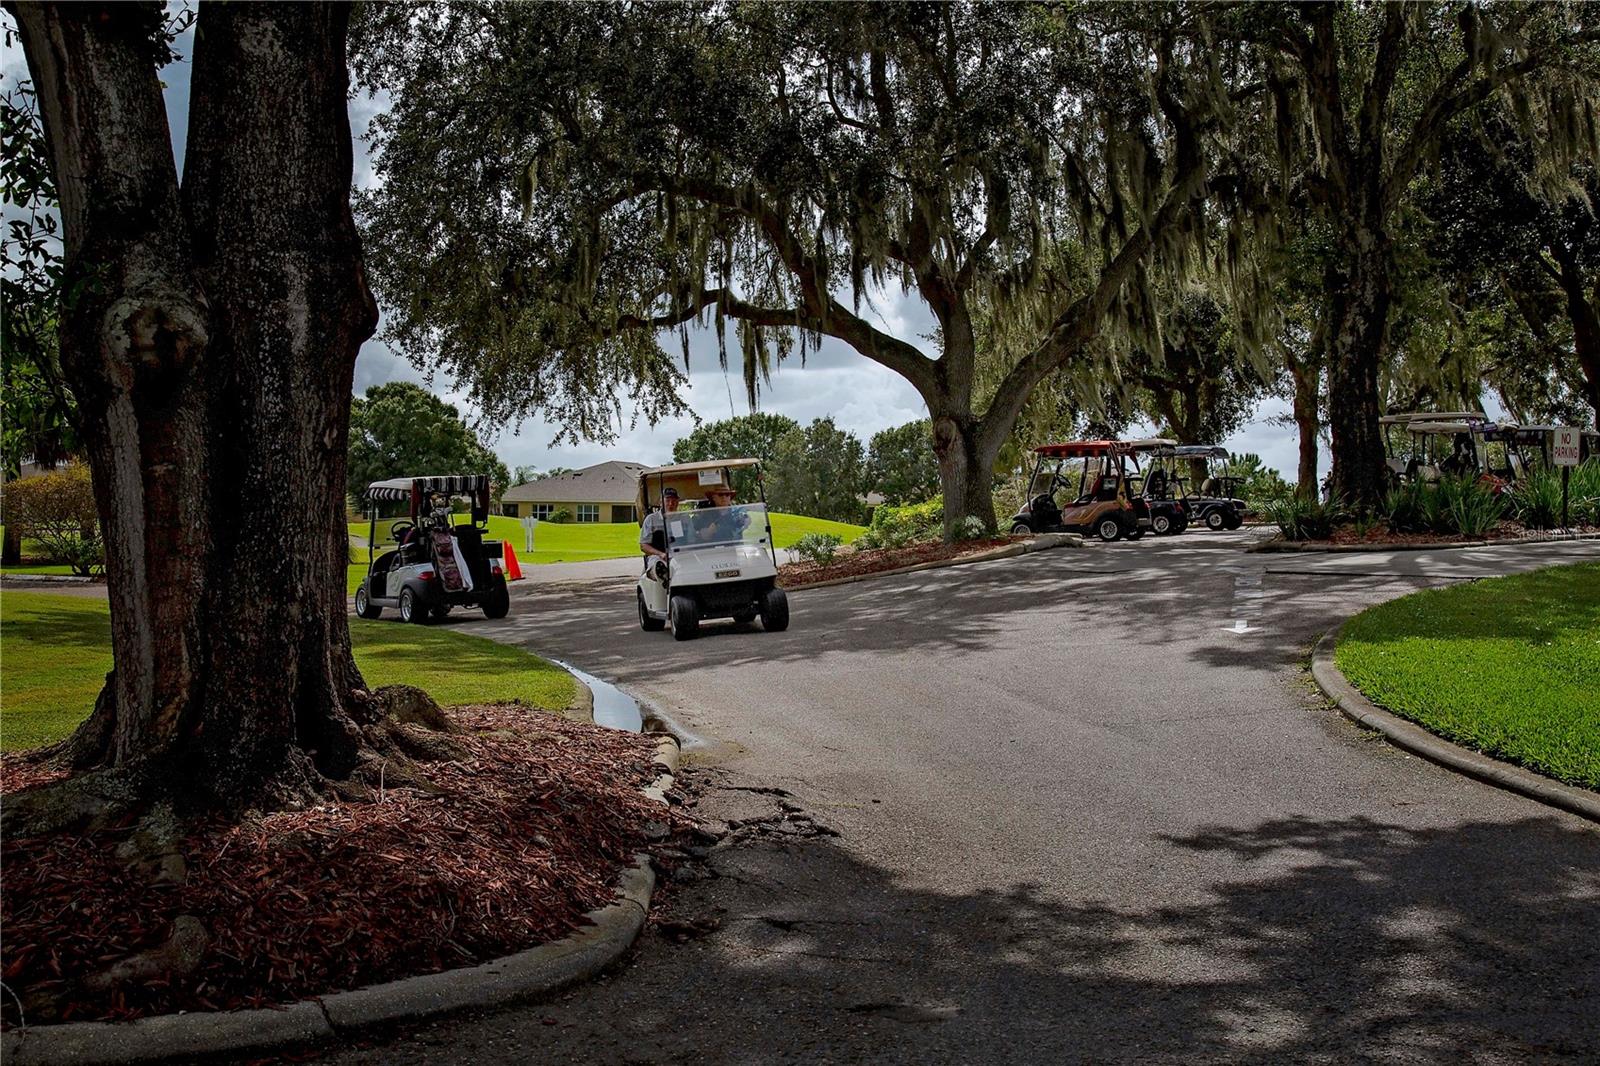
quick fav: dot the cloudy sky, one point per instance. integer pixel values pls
(857, 393)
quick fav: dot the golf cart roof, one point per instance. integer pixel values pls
(1199, 451)
(1443, 427)
(401, 488)
(1403, 417)
(1149, 444)
(694, 468)
(1082, 449)
(688, 480)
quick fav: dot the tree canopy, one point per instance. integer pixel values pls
(562, 184)
(819, 470)
(755, 435)
(401, 429)
(901, 466)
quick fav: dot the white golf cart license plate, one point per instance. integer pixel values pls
(727, 573)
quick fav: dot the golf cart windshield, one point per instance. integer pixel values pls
(704, 527)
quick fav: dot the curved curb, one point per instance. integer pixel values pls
(1041, 542)
(1278, 545)
(1419, 741)
(528, 974)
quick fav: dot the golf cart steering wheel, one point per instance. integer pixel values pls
(399, 529)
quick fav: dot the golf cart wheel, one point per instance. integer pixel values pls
(1215, 519)
(1108, 529)
(410, 609)
(440, 612)
(646, 622)
(498, 603)
(1234, 520)
(1161, 525)
(775, 611)
(1021, 529)
(364, 607)
(744, 618)
(1180, 524)
(1135, 533)
(685, 614)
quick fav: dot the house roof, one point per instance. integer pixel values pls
(612, 482)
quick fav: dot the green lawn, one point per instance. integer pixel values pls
(55, 651)
(1508, 666)
(565, 542)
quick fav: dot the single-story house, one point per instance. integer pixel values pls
(604, 492)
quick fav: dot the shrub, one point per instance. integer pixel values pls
(560, 514)
(971, 528)
(819, 548)
(57, 510)
(897, 526)
(1471, 507)
(1405, 508)
(1583, 494)
(1300, 519)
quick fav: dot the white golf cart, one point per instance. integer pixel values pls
(435, 564)
(720, 562)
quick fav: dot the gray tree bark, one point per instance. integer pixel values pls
(211, 353)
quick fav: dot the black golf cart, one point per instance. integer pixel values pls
(1101, 503)
(435, 564)
(1211, 498)
(1162, 491)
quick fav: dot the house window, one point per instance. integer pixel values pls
(510, 509)
(622, 512)
(542, 511)
(588, 512)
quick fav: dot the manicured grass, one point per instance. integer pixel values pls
(55, 651)
(566, 542)
(1508, 666)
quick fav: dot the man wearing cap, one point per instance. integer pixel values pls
(653, 533)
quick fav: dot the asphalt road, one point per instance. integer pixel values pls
(1088, 808)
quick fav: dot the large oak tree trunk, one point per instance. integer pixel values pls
(966, 472)
(212, 359)
(1306, 422)
(1360, 294)
(1583, 309)
(267, 188)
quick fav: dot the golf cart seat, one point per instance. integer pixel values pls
(470, 538)
(1211, 487)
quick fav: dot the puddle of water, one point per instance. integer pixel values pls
(613, 707)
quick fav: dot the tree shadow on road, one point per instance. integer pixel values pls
(1316, 941)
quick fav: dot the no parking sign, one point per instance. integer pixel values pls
(1564, 447)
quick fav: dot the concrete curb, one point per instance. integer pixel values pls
(1413, 545)
(49, 579)
(1041, 542)
(1419, 741)
(529, 974)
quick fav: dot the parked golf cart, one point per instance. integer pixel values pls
(1162, 491)
(1213, 499)
(1415, 443)
(720, 563)
(435, 564)
(1101, 501)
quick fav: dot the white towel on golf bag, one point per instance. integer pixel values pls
(461, 563)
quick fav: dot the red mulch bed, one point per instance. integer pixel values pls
(856, 563)
(529, 833)
(1506, 531)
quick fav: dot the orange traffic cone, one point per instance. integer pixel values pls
(513, 571)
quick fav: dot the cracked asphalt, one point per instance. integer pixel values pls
(1082, 805)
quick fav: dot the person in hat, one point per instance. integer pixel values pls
(653, 532)
(721, 524)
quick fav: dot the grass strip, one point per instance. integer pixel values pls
(1508, 666)
(56, 650)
